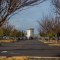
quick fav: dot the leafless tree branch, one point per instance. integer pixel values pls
(8, 7)
(56, 4)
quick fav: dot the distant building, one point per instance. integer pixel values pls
(30, 33)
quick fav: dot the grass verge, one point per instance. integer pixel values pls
(7, 41)
(51, 42)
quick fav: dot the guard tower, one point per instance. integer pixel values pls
(30, 33)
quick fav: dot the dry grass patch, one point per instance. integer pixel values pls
(7, 41)
(54, 44)
(51, 42)
(28, 58)
(14, 58)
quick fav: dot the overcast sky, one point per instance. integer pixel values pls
(28, 18)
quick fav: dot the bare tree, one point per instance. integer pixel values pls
(56, 4)
(7, 28)
(45, 24)
(7, 7)
(49, 27)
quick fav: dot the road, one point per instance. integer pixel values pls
(29, 48)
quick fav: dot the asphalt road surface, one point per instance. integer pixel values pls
(29, 48)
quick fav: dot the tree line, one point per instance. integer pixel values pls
(9, 8)
(50, 27)
(9, 31)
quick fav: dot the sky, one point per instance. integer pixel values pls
(29, 17)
